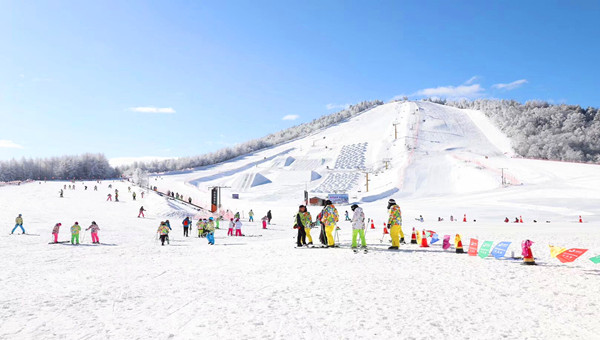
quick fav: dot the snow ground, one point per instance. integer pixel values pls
(260, 287)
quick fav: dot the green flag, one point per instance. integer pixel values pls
(595, 259)
(485, 249)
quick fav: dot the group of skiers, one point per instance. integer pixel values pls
(328, 218)
(75, 230)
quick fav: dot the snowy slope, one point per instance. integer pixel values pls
(444, 161)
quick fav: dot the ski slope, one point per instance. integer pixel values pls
(439, 161)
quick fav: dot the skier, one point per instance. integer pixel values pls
(303, 220)
(168, 226)
(251, 216)
(506, 220)
(269, 217)
(116, 196)
(231, 226)
(142, 194)
(163, 231)
(55, 232)
(186, 225)
(129, 188)
(395, 224)
(95, 229)
(134, 195)
(95, 188)
(210, 228)
(200, 225)
(347, 216)
(61, 193)
(142, 212)
(75, 229)
(264, 222)
(109, 197)
(330, 218)
(358, 227)
(238, 227)
(237, 215)
(420, 219)
(18, 224)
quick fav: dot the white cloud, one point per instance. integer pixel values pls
(336, 106)
(152, 109)
(462, 91)
(472, 80)
(9, 144)
(510, 86)
(290, 117)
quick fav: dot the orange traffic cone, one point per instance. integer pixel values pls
(458, 242)
(372, 225)
(413, 238)
(424, 241)
(527, 254)
(520, 219)
(385, 230)
(465, 218)
(580, 220)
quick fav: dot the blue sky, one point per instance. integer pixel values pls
(177, 78)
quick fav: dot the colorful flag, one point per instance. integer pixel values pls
(555, 251)
(484, 251)
(595, 259)
(500, 249)
(434, 238)
(473, 247)
(570, 255)
(446, 244)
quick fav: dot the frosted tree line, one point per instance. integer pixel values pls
(254, 145)
(86, 166)
(542, 130)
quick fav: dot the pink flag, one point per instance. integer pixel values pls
(473, 247)
(446, 244)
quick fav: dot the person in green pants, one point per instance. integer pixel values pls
(75, 229)
(358, 226)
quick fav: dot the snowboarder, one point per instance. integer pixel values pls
(186, 224)
(75, 229)
(18, 224)
(231, 227)
(269, 217)
(251, 216)
(329, 218)
(238, 227)
(163, 231)
(94, 227)
(358, 227)
(210, 228)
(142, 212)
(134, 195)
(395, 224)
(303, 221)
(109, 197)
(55, 231)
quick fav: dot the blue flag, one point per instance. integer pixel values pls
(434, 238)
(500, 249)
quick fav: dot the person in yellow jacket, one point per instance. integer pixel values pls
(395, 224)
(18, 224)
(303, 222)
(75, 229)
(329, 218)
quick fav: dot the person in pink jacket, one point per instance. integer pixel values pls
(55, 232)
(95, 229)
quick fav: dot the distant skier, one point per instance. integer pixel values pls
(358, 227)
(269, 217)
(395, 224)
(251, 216)
(186, 225)
(237, 215)
(231, 227)
(134, 195)
(347, 216)
(75, 229)
(94, 227)
(129, 188)
(163, 232)
(95, 188)
(142, 195)
(18, 224)
(420, 219)
(506, 220)
(264, 222)
(302, 223)
(329, 218)
(116, 196)
(238, 227)
(109, 197)
(61, 192)
(55, 231)
(142, 212)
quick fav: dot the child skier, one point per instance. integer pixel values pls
(75, 229)
(238, 227)
(55, 232)
(18, 224)
(95, 229)
(142, 212)
(163, 231)
(231, 227)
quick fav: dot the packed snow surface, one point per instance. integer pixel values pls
(434, 160)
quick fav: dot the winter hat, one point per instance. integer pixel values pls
(328, 202)
(93, 222)
(353, 206)
(391, 202)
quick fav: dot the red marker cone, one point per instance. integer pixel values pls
(465, 218)
(458, 242)
(372, 225)
(385, 230)
(527, 254)
(520, 219)
(580, 220)
(413, 238)
(424, 241)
